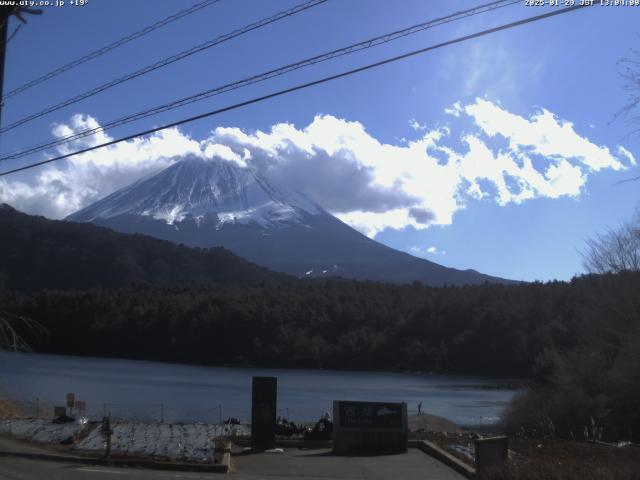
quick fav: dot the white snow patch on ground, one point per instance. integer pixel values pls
(191, 442)
(40, 430)
(466, 450)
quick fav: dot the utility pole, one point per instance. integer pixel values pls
(4, 28)
(5, 13)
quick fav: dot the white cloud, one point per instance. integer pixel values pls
(414, 124)
(543, 134)
(432, 250)
(493, 66)
(58, 190)
(212, 150)
(502, 157)
(372, 185)
(626, 153)
(454, 109)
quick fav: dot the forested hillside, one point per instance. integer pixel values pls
(489, 329)
(39, 253)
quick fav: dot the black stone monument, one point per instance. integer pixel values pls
(264, 396)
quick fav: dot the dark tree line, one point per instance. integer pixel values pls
(37, 253)
(489, 329)
(579, 341)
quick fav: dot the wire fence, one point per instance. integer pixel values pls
(96, 410)
(218, 414)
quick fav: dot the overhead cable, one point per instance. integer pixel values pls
(303, 86)
(166, 61)
(366, 44)
(101, 51)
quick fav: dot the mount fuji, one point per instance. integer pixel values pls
(207, 203)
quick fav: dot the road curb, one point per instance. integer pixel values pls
(222, 467)
(438, 453)
(282, 443)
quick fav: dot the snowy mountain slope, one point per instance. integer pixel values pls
(196, 188)
(216, 203)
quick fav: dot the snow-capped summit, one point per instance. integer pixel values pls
(208, 203)
(203, 189)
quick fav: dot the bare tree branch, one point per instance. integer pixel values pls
(631, 75)
(617, 250)
(10, 339)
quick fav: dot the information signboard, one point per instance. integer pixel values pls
(370, 427)
(370, 415)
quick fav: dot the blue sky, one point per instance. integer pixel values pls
(433, 135)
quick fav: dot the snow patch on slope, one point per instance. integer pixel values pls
(266, 215)
(203, 189)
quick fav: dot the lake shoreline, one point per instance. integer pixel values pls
(501, 382)
(149, 390)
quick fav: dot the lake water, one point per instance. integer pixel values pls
(134, 389)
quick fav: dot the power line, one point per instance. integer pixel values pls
(305, 85)
(118, 43)
(168, 61)
(265, 76)
(370, 43)
(14, 33)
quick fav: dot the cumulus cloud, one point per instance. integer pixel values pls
(58, 190)
(543, 134)
(501, 157)
(423, 216)
(225, 153)
(324, 161)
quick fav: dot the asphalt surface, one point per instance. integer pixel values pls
(316, 464)
(12, 468)
(321, 465)
(13, 445)
(308, 465)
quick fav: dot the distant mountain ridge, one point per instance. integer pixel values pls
(39, 253)
(206, 203)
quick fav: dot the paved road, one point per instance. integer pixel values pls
(305, 464)
(308, 465)
(13, 468)
(321, 465)
(21, 469)
(8, 444)
(316, 464)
